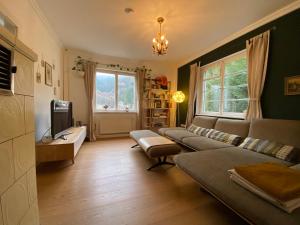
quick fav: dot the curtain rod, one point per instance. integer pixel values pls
(270, 29)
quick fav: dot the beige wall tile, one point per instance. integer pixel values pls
(24, 83)
(24, 153)
(11, 117)
(15, 202)
(32, 216)
(29, 114)
(6, 166)
(32, 189)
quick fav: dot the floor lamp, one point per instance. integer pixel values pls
(178, 97)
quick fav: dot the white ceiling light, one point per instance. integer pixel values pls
(128, 10)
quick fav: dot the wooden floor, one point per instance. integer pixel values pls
(109, 185)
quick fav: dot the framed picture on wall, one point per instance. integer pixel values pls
(292, 85)
(48, 74)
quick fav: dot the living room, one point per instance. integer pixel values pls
(149, 112)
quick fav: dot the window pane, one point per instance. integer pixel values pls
(236, 92)
(211, 72)
(235, 80)
(212, 106)
(126, 92)
(105, 91)
(235, 86)
(236, 66)
(237, 106)
(211, 95)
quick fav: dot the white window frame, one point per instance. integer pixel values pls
(221, 63)
(116, 110)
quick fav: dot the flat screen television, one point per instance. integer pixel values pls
(61, 118)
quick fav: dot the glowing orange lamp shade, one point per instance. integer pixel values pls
(178, 97)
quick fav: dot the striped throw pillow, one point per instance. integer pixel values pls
(198, 130)
(271, 148)
(231, 139)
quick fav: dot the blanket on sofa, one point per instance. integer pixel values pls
(288, 206)
(279, 181)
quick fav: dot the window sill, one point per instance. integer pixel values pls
(115, 112)
(227, 115)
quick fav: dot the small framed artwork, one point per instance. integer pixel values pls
(48, 74)
(292, 85)
(38, 77)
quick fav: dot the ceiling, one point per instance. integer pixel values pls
(102, 26)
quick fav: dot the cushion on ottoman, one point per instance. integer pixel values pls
(158, 146)
(138, 134)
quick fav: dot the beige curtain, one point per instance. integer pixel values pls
(89, 81)
(194, 76)
(257, 55)
(140, 76)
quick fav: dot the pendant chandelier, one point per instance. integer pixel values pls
(160, 43)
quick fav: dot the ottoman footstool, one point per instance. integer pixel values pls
(155, 146)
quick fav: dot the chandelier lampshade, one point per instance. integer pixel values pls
(160, 43)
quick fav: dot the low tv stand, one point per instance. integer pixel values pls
(61, 148)
(64, 136)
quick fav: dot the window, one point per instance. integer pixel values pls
(224, 87)
(115, 91)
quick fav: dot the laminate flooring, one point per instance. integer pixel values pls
(109, 185)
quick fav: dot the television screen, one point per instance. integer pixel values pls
(61, 117)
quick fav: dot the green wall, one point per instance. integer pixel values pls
(284, 61)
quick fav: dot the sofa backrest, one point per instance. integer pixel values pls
(205, 121)
(281, 131)
(238, 127)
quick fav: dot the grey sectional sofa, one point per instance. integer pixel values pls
(211, 160)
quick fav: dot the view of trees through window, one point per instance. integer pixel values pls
(235, 86)
(126, 92)
(225, 88)
(115, 92)
(105, 91)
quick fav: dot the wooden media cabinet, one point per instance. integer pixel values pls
(60, 149)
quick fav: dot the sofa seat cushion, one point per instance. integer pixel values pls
(238, 127)
(210, 168)
(205, 121)
(282, 131)
(162, 131)
(178, 135)
(271, 148)
(203, 143)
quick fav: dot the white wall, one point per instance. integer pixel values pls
(74, 89)
(35, 32)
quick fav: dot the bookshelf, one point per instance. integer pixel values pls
(156, 104)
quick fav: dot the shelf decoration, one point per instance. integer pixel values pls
(48, 74)
(79, 63)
